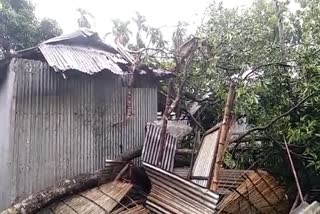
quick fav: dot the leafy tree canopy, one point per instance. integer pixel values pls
(19, 28)
(271, 52)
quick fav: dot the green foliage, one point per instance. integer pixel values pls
(271, 53)
(121, 31)
(47, 29)
(19, 28)
(240, 41)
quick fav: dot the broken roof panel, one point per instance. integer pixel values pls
(82, 36)
(205, 159)
(258, 193)
(102, 199)
(229, 179)
(81, 33)
(152, 147)
(173, 194)
(86, 59)
(84, 51)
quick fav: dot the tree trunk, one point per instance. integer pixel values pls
(67, 187)
(42, 199)
(130, 155)
(165, 121)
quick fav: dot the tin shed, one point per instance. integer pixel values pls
(66, 106)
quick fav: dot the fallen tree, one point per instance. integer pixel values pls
(82, 182)
(36, 201)
(130, 155)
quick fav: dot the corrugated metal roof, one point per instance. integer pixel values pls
(152, 147)
(82, 33)
(86, 59)
(84, 51)
(182, 171)
(205, 158)
(229, 179)
(173, 194)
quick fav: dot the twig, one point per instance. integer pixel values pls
(261, 128)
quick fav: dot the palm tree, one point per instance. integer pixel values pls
(121, 31)
(86, 19)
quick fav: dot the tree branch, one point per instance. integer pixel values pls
(261, 128)
(284, 148)
(265, 65)
(163, 50)
(228, 69)
(194, 119)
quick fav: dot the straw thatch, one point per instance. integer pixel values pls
(231, 179)
(42, 199)
(259, 193)
(138, 209)
(102, 199)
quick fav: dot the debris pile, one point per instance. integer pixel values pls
(160, 187)
(173, 194)
(258, 193)
(101, 199)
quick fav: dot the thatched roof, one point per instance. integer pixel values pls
(102, 199)
(258, 193)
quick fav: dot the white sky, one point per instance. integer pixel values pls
(158, 12)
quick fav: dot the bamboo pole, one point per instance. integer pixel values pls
(223, 136)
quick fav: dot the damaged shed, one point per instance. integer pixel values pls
(66, 106)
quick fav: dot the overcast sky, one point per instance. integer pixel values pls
(157, 12)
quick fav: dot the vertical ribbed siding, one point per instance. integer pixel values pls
(64, 127)
(6, 131)
(173, 194)
(205, 158)
(152, 147)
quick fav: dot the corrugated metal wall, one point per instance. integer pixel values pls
(6, 99)
(64, 127)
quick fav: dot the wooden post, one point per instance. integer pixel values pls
(223, 137)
